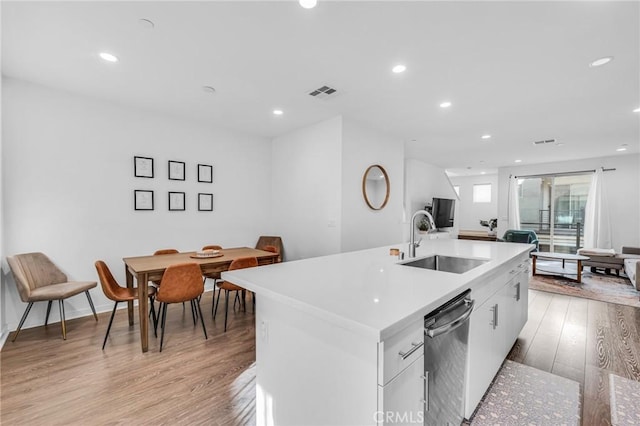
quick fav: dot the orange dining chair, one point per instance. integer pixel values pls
(160, 253)
(115, 292)
(215, 276)
(241, 263)
(273, 249)
(274, 241)
(180, 283)
(39, 279)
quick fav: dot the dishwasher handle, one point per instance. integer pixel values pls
(434, 332)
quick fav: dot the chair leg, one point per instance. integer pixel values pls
(62, 324)
(202, 320)
(113, 314)
(91, 304)
(226, 308)
(46, 319)
(193, 311)
(24, 317)
(164, 318)
(152, 313)
(215, 311)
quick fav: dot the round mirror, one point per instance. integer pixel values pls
(375, 187)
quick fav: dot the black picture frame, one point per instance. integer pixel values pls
(177, 201)
(205, 173)
(143, 167)
(142, 199)
(175, 170)
(205, 202)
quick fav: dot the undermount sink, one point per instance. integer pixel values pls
(456, 265)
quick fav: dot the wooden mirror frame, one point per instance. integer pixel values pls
(364, 187)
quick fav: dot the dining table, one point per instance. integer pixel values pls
(151, 268)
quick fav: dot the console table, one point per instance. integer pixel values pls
(476, 235)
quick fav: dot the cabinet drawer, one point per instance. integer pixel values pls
(399, 351)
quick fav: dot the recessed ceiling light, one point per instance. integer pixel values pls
(399, 68)
(446, 104)
(518, 161)
(278, 112)
(108, 57)
(308, 4)
(483, 173)
(623, 147)
(636, 110)
(146, 23)
(601, 61)
(208, 89)
(486, 136)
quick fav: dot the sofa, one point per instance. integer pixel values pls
(632, 264)
(609, 260)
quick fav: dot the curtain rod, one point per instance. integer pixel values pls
(579, 172)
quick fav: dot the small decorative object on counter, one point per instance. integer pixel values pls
(492, 224)
(394, 252)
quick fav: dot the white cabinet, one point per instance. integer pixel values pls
(401, 401)
(494, 327)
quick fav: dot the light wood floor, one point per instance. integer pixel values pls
(48, 381)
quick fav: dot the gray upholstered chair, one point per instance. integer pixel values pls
(38, 279)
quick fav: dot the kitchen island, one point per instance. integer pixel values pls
(329, 330)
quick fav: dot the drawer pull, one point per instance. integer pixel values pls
(415, 347)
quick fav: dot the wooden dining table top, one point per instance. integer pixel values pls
(153, 264)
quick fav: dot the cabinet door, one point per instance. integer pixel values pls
(483, 359)
(402, 400)
(516, 301)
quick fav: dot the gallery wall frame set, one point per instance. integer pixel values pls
(143, 167)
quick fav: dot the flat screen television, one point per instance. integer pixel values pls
(443, 209)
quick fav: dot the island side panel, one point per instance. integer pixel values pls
(310, 372)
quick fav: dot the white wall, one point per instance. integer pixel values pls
(363, 227)
(622, 187)
(470, 213)
(306, 189)
(423, 182)
(68, 186)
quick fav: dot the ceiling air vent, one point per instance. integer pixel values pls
(323, 92)
(544, 142)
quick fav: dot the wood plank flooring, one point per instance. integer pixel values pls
(582, 340)
(48, 381)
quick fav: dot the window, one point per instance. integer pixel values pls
(457, 189)
(482, 193)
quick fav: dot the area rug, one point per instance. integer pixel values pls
(523, 395)
(624, 395)
(596, 286)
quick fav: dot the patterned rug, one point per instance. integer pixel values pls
(523, 395)
(624, 395)
(596, 286)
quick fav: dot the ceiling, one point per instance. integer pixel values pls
(518, 71)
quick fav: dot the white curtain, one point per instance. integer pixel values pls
(514, 206)
(597, 229)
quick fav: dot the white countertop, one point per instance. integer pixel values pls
(367, 290)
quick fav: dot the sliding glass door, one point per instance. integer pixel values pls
(553, 206)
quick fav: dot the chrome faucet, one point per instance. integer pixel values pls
(412, 231)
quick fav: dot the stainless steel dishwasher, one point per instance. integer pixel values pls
(446, 333)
